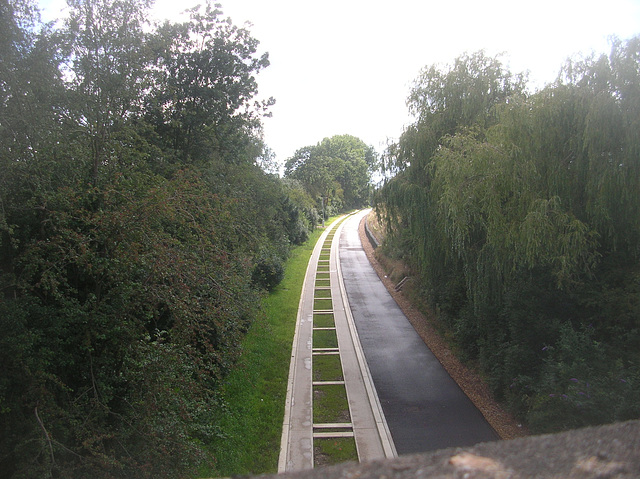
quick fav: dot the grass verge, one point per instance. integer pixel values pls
(325, 339)
(334, 451)
(327, 368)
(330, 404)
(256, 389)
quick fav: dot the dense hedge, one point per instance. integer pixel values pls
(137, 233)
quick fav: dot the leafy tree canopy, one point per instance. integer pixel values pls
(137, 232)
(521, 215)
(338, 168)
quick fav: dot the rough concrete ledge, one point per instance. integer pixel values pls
(372, 238)
(611, 451)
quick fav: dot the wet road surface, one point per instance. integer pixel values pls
(424, 407)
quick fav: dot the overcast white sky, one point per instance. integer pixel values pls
(346, 66)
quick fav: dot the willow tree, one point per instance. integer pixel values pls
(444, 100)
(522, 215)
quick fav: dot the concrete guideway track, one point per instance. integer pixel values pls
(425, 408)
(367, 423)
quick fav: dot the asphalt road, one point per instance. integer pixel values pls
(424, 407)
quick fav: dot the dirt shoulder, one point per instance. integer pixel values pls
(470, 382)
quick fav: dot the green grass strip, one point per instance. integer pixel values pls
(322, 294)
(331, 451)
(325, 339)
(323, 320)
(256, 389)
(322, 304)
(327, 367)
(330, 404)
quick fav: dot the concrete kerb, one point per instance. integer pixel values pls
(284, 459)
(373, 439)
(381, 425)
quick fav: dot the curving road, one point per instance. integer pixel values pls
(425, 409)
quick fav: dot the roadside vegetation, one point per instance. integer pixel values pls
(255, 391)
(141, 222)
(520, 215)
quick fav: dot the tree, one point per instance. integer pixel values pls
(201, 101)
(108, 74)
(125, 285)
(446, 99)
(463, 97)
(520, 213)
(30, 129)
(338, 168)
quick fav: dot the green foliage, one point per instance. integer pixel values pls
(148, 312)
(579, 385)
(255, 391)
(133, 217)
(203, 85)
(520, 212)
(337, 169)
(108, 71)
(268, 272)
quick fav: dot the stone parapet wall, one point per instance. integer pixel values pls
(611, 451)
